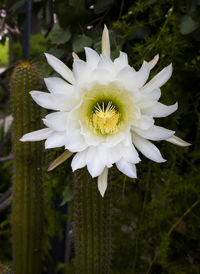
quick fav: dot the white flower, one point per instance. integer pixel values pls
(104, 111)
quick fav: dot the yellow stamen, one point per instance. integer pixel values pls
(105, 120)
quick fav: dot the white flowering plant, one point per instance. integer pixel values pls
(104, 111)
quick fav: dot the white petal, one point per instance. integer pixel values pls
(58, 85)
(56, 139)
(102, 76)
(75, 141)
(56, 121)
(159, 80)
(130, 154)
(81, 71)
(128, 169)
(37, 135)
(92, 57)
(154, 95)
(63, 102)
(43, 99)
(142, 75)
(127, 76)
(147, 148)
(79, 160)
(105, 42)
(160, 110)
(109, 155)
(106, 63)
(178, 141)
(121, 61)
(60, 67)
(153, 62)
(145, 122)
(94, 164)
(103, 181)
(155, 133)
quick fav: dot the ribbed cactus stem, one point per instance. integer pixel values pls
(92, 226)
(27, 212)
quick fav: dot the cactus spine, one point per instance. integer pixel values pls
(92, 226)
(27, 212)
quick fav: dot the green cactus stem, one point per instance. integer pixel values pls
(27, 212)
(92, 226)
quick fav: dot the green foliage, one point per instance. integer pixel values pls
(4, 54)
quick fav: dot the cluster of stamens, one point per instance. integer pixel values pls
(105, 119)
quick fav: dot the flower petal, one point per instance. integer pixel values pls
(54, 101)
(132, 79)
(178, 141)
(159, 110)
(58, 161)
(155, 133)
(75, 141)
(142, 74)
(92, 57)
(58, 85)
(130, 154)
(60, 67)
(159, 80)
(144, 123)
(147, 148)
(79, 160)
(43, 99)
(103, 181)
(105, 42)
(56, 121)
(102, 76)
(37, 135)
(56, 139)
(94, 164)
(82, 71)
(121, 61)
(153, 62)
(106, 63)
(128, 169)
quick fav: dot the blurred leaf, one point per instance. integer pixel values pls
(17, 5)
(80, 42)
(101, 6)
(188, 25)
(67, 195)
(59, 36)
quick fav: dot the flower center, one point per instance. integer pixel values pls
(105, 118)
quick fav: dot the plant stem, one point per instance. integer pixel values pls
(92, 225)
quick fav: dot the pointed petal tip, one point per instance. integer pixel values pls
(153, 62)
(103, 181)
(105, 42)
(178, 141)
(22, 139)
(75, 56)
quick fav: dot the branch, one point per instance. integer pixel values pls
(5, 195)
(6, 158)
(51, 23)
(4, 204)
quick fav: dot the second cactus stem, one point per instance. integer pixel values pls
(27, 205)
(92, 226)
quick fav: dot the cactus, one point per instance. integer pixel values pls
(27, 212)
(92, 226)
